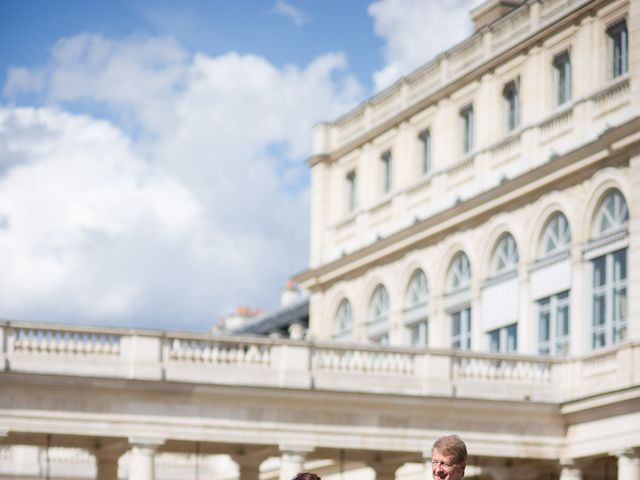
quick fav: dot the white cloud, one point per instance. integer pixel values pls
(175, 208)
(416, 31)
(297, 16)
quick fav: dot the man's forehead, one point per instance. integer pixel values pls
(439, 453)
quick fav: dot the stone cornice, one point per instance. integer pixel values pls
(570, 167)
(534, 39)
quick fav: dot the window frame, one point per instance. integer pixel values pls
(379, 310)
(467, 127)
(618, 33)
(342, 332)
(459, 277)
(558, 232)
(609, 273)
(506, 251)
(511, 97)
(386, 159)
(351, 178)
(501, 338)
(461, 336)
(415, 311)
(563, 80)
(557, 343)
(424, 139)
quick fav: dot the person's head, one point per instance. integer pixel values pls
(306, 476)
(448, 458)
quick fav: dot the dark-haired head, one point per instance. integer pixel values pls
(306, 476)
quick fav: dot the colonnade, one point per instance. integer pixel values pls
(292, 459)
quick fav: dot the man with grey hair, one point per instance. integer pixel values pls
(448, 458)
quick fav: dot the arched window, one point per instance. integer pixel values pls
(505, 256)
(500, 298)
(552, 282)
(415, 311)
(556, 237)
(459, 273)
(378, 324)
(344, 320)
(609, 273)
(459, 281)
(417, 291)
(612, 215)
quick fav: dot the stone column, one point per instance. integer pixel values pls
(141, 466)
(292, 460)
(248, 465)
(107, 467)
(3, 433)
(385, 469)
(628, 464)
(107, 464)
(569, 471)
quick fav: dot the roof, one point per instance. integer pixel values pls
(281, 318)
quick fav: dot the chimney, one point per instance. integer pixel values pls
(239, 318)
(290, 294)
(491, 10)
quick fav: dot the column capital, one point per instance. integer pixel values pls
(569, 469)
(296, 448)
(251, 457)
(292, 458)
(146, 442)
(110, 449)
(629, 453)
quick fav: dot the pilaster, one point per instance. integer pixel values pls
(633, 26)
(633, 255)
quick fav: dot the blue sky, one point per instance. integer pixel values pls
(152, 152)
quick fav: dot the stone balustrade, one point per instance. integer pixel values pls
(478, 49)
(227, 360)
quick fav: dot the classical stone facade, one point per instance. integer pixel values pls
(474, 231)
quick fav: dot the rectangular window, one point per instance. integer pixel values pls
(619, 48)
(553, 325)
(512, 105)
(466, 120)
(351, 190)
(386, 171)
(461, 329)
(424, 138)
(609, 299)
(504, 340)
(419, 334)
(562, 69)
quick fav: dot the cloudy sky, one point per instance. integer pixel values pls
(152, 152)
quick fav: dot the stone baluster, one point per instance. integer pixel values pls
(292, 460)
(141, 458)
(628, 464)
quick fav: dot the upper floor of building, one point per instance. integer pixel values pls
(542, 81)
